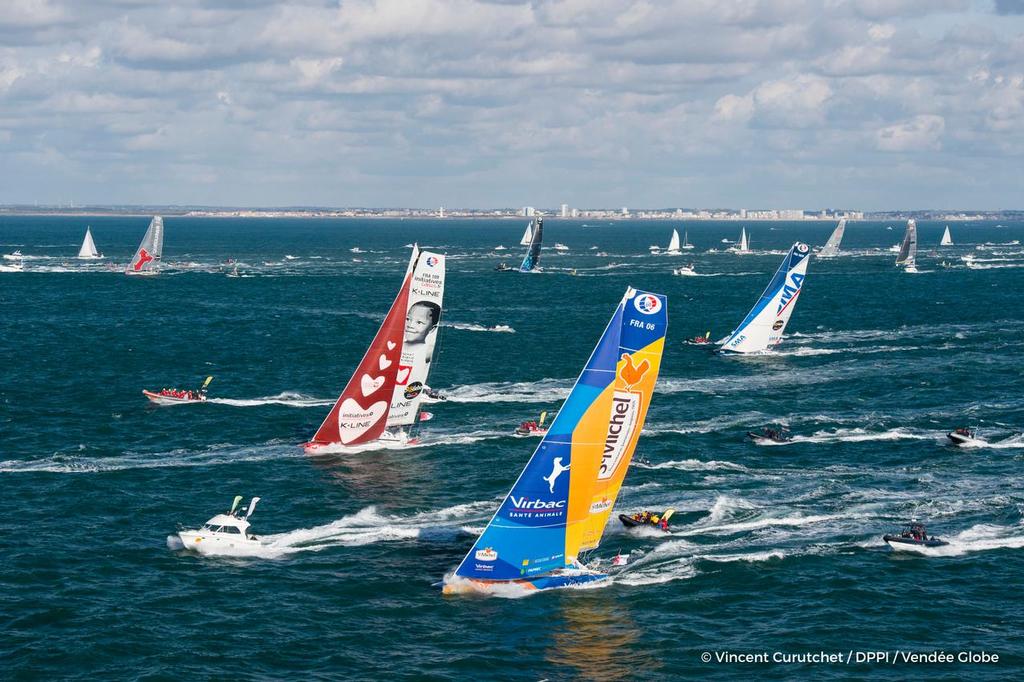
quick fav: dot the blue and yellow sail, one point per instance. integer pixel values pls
(559, 505)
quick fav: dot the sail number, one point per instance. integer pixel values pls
(649, 326)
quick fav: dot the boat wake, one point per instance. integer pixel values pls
(365, 527)
(544, 390)
(287, 398)
(470, 327)
(77, 464)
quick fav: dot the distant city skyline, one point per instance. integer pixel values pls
(867, 104)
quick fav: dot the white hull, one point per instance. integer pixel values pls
(217, 544)
(909, 548)
(158, 399)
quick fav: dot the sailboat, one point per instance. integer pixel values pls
(686, 241)
(831, 248)
(88, 249)
(558, 507)
(908, 249)
(532, 257)
(763, 326)
(744, 245)
(381, 400)
(673, 244)
(527, 235)
(947, 238)
(147, 257)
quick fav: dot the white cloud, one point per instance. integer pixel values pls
(921, 133)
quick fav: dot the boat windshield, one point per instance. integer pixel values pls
(211, 527)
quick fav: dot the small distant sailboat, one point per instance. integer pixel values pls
(382, 398)
(527, 235)
(532, 258)
(146, 260)
(744, 245)
(908, 249)
(763, 326)
(947, 238)
(558, 508)
(831, 248)
(673, 244)
(88, 249)
(686, 241)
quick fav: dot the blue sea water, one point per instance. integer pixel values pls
(775, 549)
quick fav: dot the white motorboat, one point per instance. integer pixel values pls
(685, 270)
(224, 534)
(14, 256)
(965, 436)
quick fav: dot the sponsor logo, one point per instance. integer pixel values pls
(625, 412)
(431, 261)
(791, 289)
(487, 554)
(648, 304)
(144, 258)
(556, 470)
(802, 248)
(600, 505)
(778, 325)
(413, 390)
(526, 504)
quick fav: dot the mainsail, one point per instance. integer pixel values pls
(908, 249)
(831, 247)
(559, 505)
(763, 326)
(533, 252)
(385, 390)
(527, 235)
(147, 257)
(88, 249)
(744, 246)
(947, 238)
(673, 244)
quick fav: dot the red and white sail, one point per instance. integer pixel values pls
(147, 257)
(385, 390)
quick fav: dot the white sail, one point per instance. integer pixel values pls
(908, 249)
(831, 247)
(88, 249)
(947, 238)
(673, 244)
(744, 245)
(422, 321)
(764, 325)
(686, 241)
(528, 235)
(147, 257)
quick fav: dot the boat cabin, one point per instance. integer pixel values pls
(226, 524)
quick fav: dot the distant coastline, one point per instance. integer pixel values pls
(600, 214)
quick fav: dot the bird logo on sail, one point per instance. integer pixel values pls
(556, 470)
(632, 374)
(144, 258)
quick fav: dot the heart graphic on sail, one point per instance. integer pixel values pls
(383, 362)
(355, 420)
(370, 385)
(391, 345)
(403, 374)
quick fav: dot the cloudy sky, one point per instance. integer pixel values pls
(870, 104)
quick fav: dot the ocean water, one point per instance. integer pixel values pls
(775, 549)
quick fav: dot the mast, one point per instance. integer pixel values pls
(558, 506)
(146, 260)
(532, 257)
(764, 325)
(831, 247)
(360, 413)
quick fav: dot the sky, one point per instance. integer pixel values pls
(858, 104)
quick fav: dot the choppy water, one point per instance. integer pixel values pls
(775, 548)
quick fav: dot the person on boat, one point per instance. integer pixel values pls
(663, 524)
